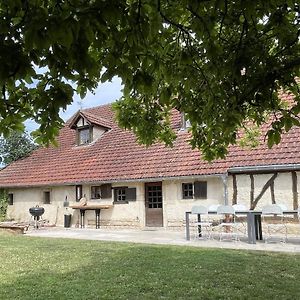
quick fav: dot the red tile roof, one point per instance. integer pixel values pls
(116, 156)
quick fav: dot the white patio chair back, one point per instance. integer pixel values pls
(272, 209)
(241, 217)
(213, 207)
(283, 206)
(240, 207)
(225, 209)
(203, 225)
(274, 223)
(199, 209)
(227, 226)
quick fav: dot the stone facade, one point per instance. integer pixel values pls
(132, 214)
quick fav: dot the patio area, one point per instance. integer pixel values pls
(161, 236)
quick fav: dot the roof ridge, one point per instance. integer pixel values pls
(98, 106)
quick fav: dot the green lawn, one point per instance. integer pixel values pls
(37, 268)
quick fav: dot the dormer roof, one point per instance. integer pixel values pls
(91, 119)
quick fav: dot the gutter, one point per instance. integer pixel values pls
(264, 169)
(225, 186)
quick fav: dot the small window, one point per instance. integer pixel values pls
(47, 197)
(84, 135)
(10, 199)
(187, 191)
(78, 192)
(196, 190)
(120, 195)
(124, 194)
(95, 192)
(185, 122)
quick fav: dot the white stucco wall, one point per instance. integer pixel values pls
(175, 206)
(132, 214)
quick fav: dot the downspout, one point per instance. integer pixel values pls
(224, 179)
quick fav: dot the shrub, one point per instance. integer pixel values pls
(3, 204)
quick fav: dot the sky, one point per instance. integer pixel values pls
(105, 93)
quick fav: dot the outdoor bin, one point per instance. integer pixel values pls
(67, 223)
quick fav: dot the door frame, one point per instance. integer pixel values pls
(159, 211)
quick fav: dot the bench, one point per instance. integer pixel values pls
(20, 229)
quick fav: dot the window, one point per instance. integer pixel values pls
(78, 192)
(121, 195)
(47, 197)
(124, 194)
(95, 192)
(154, 196)
(196, 190)
(84, 135)
(185, 122)
(10, 199)
(187, 191)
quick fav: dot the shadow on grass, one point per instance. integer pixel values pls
(75, 269)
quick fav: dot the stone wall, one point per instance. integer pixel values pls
(132, 214)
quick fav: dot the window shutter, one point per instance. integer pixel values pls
(200, 189)
(115, 195)
(10, 199)
(78, 190)
(106, 191)
(131, 194)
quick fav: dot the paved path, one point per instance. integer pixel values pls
(160, 236)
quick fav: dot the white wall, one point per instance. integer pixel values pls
(132, 214)
(175, 206)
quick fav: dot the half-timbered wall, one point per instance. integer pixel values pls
(263, 189)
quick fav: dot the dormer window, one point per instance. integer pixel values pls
(84, 135)
(185, 122)
(89, 128)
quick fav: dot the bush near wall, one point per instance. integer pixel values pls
(3, 204)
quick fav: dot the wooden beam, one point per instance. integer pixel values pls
(272, 192)
(295, 190)
(265, 187)
(235, 191)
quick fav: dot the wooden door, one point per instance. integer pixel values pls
(154, 204)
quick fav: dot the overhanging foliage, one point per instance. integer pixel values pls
(219, 62)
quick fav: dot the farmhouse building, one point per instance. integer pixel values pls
(145, 187)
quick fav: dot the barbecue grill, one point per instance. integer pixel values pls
(36, 212)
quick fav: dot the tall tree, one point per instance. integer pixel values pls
(15, 146)
(220, 62)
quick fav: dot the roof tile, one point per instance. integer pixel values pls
(116, 156)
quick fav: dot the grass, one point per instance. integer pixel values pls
(38, 268)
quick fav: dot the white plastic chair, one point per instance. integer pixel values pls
(282, 206)
(213, 207)
(274, 222)
(227, 225)
(240, 219)
(204, 225)
(213, 218)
